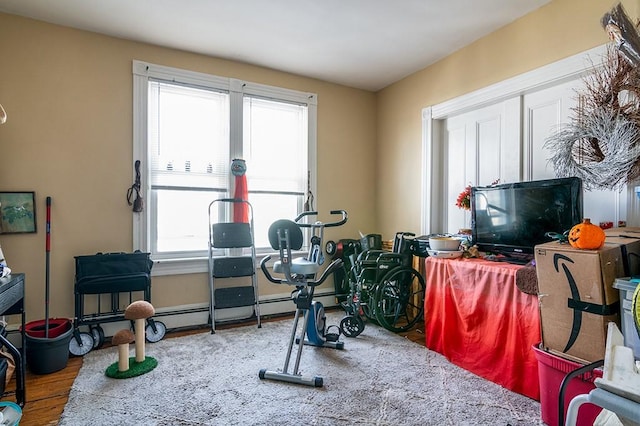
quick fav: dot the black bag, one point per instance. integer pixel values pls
(113, 272)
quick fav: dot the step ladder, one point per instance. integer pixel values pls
(232, 262)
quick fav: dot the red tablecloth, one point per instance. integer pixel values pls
(477, 318)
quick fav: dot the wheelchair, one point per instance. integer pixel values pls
(301, 272)
(385, 288)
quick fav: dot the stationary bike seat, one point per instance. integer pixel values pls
(299, 265)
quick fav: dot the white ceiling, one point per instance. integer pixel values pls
(366, 44)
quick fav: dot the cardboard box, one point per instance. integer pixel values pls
(628, 230)
(629, 240)
(577, 298)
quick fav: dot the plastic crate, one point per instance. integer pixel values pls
(631, 335)
(551, 371)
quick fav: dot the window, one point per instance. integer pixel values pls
(187, 128)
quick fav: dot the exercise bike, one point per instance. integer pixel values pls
(301, 272)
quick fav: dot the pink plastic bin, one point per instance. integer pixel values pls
(551, 371)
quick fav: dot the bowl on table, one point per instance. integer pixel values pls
(444, 243)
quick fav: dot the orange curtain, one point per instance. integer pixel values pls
(241, 210)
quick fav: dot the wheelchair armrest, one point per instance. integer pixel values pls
(388, 255)
(389, 258)
(370, 255)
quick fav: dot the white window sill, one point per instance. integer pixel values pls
(179, 266)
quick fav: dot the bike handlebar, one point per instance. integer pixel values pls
(342, 221)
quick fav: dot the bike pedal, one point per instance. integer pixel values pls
(332, 337)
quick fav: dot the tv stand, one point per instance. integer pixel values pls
(476, 317)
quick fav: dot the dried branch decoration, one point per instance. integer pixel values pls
(623, 33)
(601, 144)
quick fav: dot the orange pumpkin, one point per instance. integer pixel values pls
(586, 236)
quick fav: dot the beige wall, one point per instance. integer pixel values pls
(558, 30)
(68, 96)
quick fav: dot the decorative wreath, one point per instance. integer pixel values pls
(601, 144)
(602, 148)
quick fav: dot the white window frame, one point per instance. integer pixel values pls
(142, 73)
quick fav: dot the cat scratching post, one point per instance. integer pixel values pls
(139, 311)
(122, 339)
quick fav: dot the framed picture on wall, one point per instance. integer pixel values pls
(17, 212)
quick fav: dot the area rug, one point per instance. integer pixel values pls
(379, 378)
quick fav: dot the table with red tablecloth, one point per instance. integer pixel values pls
(476, 317)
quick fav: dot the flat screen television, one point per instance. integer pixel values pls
(511, 219)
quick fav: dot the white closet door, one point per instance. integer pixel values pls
(480, 146)
(544, 112)
(460, 151)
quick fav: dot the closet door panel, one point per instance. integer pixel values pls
(545, 111)
(489, 148)
(477, 144)
(460, 154)
(511, 147)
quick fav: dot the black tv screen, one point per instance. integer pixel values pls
(511, 219)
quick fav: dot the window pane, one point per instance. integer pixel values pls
(275, 145)
(182, 220)
(267, 208)
(188, 135)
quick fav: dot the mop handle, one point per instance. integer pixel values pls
(48, 245)
(46, 285)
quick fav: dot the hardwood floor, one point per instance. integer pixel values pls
(47, 394)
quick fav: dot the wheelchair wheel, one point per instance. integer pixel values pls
(399, 299)
(351, 326)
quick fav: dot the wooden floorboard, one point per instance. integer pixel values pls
(47, 394)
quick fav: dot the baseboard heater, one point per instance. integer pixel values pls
(196, 315)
